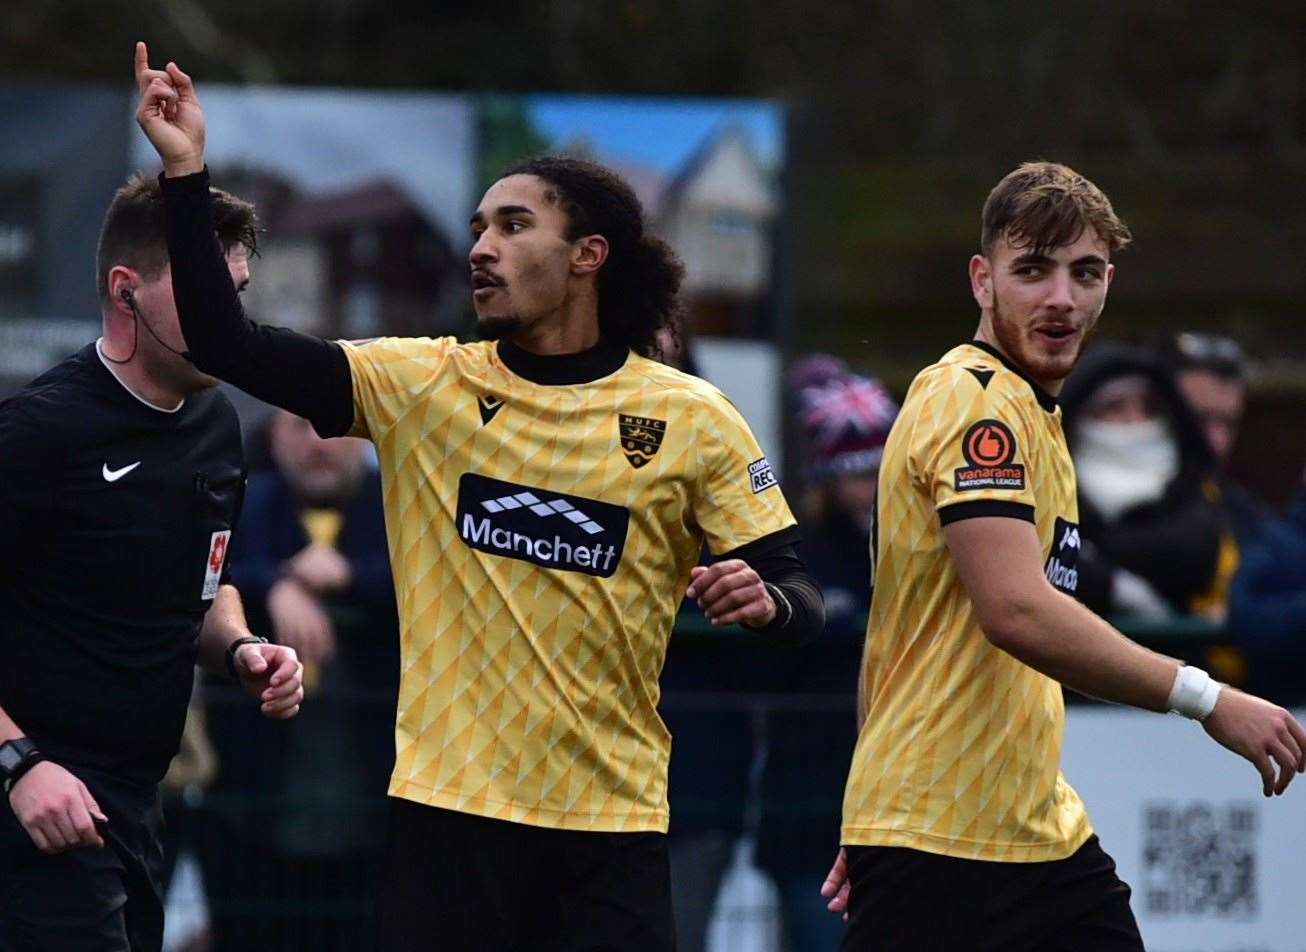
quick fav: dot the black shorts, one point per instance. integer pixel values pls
(86, 900)
(456, 882)
(914, 901)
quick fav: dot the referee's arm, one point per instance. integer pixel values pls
(1022, 614)
(272, 673)
(54, 807)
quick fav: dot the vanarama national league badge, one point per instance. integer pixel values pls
(989, 448)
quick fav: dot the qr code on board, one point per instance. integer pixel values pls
(1199, 859)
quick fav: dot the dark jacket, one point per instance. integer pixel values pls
(271, 533)
(1248, 514)
(1173, 543)
(1267, 607)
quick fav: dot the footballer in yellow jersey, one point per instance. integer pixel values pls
(959, 830)
(547, 496)
(968, 768)
(557, 513)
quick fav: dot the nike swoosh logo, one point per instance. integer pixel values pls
(113, 475)
(489, 406)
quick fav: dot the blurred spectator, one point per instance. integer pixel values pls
(1267, 606)
(843, 420)
(313, 566)
(1156, 540)
(1211, 373)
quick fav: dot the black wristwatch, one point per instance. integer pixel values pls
(235, 646)
(17, 756)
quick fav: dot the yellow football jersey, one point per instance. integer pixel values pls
(960, 751)
(541, 538)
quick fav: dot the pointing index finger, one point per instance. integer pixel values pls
(142, 65)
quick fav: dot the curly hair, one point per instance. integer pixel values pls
(1044, 205)
(639, 284)
(133, 229)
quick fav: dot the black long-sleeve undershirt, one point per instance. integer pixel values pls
(304, 374)
(775, 560)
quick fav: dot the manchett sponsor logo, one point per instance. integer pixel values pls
(553, 530)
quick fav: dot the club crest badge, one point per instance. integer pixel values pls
(641, 437)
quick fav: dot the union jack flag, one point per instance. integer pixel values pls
(844, 407)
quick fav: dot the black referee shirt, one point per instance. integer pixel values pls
(114, 522)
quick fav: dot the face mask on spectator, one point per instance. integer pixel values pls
(1123, 465)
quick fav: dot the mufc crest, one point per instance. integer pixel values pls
(640, 437)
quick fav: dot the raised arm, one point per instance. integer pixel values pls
(304, 374)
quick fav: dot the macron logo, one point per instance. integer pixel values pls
(489, 406)
(1071, 538)
(113, 475)
(554, 507)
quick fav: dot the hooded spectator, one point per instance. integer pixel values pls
(1156, 537)
(1211, 374)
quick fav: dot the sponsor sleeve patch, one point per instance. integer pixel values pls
(761, 475)
(213, 567)
(989, 448)
(1062, 568)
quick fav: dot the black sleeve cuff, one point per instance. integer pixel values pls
(766, 544)
(1000, 508)
(185, 184)
(800, 609)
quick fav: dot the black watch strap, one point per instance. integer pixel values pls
(235, 646)
(17, 756)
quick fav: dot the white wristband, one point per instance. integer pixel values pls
(1194, 693)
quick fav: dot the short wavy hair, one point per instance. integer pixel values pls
(1044, 205)
(133, 230)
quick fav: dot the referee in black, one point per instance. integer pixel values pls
(121, 478)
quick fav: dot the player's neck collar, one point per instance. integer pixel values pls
(1045, 399)
(99, 352)
(603, 358)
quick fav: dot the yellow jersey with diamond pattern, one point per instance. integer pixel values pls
(960, 750)
(541, 538)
